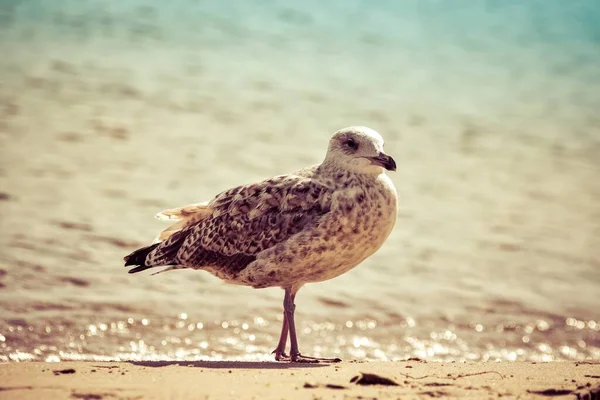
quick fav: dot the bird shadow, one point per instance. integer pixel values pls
(228, 364)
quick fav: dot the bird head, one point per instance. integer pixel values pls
(359, 149)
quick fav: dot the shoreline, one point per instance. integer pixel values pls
(272, 380)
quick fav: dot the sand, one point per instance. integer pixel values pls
(270, 380)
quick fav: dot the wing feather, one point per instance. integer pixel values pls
(177, 214)
(246, 220)
(185, 216)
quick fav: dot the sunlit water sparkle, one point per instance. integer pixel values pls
(252, 340)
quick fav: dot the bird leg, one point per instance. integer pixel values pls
(280, 350)
(295, 356)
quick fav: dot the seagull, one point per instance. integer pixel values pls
(308, 226)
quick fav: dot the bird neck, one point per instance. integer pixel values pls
(338, 175)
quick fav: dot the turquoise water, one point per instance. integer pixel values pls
(112, 111)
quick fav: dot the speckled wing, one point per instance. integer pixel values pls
(245, 221)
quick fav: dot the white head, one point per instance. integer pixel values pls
(359, 149)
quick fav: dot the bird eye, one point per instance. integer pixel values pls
(352, 144)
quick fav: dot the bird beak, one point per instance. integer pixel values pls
(385, 161)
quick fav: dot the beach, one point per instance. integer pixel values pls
(111, 113)
(271, 380)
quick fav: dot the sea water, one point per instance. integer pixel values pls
(112, 111)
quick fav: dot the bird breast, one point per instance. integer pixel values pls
(365, 215)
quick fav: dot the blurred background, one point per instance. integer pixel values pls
(111, 111)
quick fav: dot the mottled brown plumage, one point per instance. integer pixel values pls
(227, 233)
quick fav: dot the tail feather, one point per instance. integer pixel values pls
(138, 258)
(163, 256)
(140, 268)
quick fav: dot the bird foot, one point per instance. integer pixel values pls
(299, 358)
(281, 356)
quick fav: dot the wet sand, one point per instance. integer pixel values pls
(270, 380)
